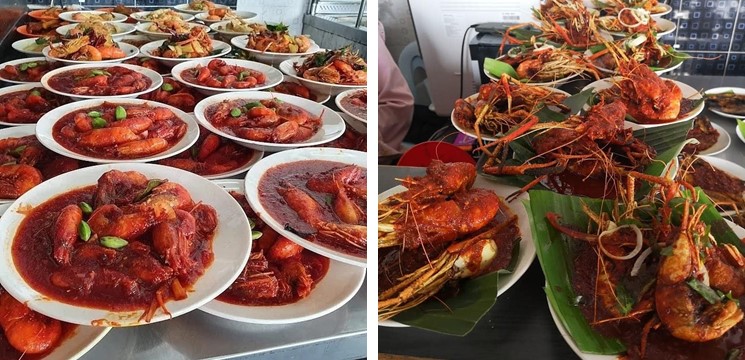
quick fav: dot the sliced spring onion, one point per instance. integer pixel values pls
(94, 114)
(97, 72)
(251, 223)
(236, 112)
(706, 292)
(120, 113)
(637, 247)
(113, 242)
(167, 87)
(256, 234)
(35, 93)
(18, 151)
(252, 105)
(85, 207)
(23, 67)
(84, 231)
(32, 65)
(98, 123)
(151, 184)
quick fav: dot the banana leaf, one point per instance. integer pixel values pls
(497, 68)
(458, 314)
(555, 253)
(741, 126)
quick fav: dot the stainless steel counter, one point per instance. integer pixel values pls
(519, 326)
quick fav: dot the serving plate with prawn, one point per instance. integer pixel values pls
(78, 51)
(97, 81)
(315, 197)
(635, 20)
(283, 282)
(158, 30)
(645, 48)
(329, 72)
(154, 245)
(123, 130)
(215, 157)
(26, 70)
(222, 14)
(33, 46)
(180, 48)
(118, 30)
(26, 163)
(489, 235)
(199, 6)
(633, 278)
(269, 121)
(297, 89)
(501, 105)
(722, 180)
(160, 14)
(216, 76)
(92, 15)
(27, 103)
(273, 44)
(543, 65)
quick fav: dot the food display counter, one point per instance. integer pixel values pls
(340, 334)
(520, 326)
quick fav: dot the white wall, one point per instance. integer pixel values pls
(289, 12)
(396, 18)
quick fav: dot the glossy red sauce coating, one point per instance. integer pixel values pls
(28, 106)
(115, 80)
(356, 104)
(30, 71)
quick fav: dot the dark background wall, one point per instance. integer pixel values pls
(713, 32)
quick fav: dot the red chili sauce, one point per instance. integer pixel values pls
(97, 132)
(115, 80)
(268, 280)
(211, 155)
(126, 279)
(297, 174)
(28, 106)
(356, 104)
(30, 71)
(218, 74)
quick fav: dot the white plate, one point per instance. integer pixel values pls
(719, 90)
(230, 247)
(472, 133)
(320, 98)
(143, 28)
(341, 283)
(288, 67)
(739, 231)
(130, 51)
(18, 62)
(332, 124)
(121, 30)
(527, 249)
(328, 154)
(343, 95)
(722, 143)
(185, 8)
(21, 45)
(155, 80)
(273, 76)
(588, 53)
(68, 16)
(14, 132)
(668, 9)
(245, 15)
(142, 16)
(665, 26)
(686, 90)
(45, 124)
(271, 58)
(147, 49)
(216, 27)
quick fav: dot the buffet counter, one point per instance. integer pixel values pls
(519, 326)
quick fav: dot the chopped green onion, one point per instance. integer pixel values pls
(97, 72)
(17, 151)
(236, 112)
(167, 87)
(242, 75)
(84, 231)
(32, 64)
(256, 234)
(41, 41)
(120, 113)
(94, 114)
(35, 93)
(87, 209)
(98, 122)
(23, 67)
(113, 242)
(251, 223)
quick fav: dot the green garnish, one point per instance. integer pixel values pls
(87, 209)
(84, 231)
(23, 67)
(32, 65)
(17, 151)
(35, 93)
(252, 105)
(242, 75)
(706, 292)
(94, 114)
(97, 72)
(251, 223)
(98, 123)
(236, 112)
(741, 126)
(167, 87)
(277, 28)
(151, 184)
(120, 113)
(113, 242)
(41, 41)
(256, 234)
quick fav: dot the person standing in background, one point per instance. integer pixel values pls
(395, 101)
